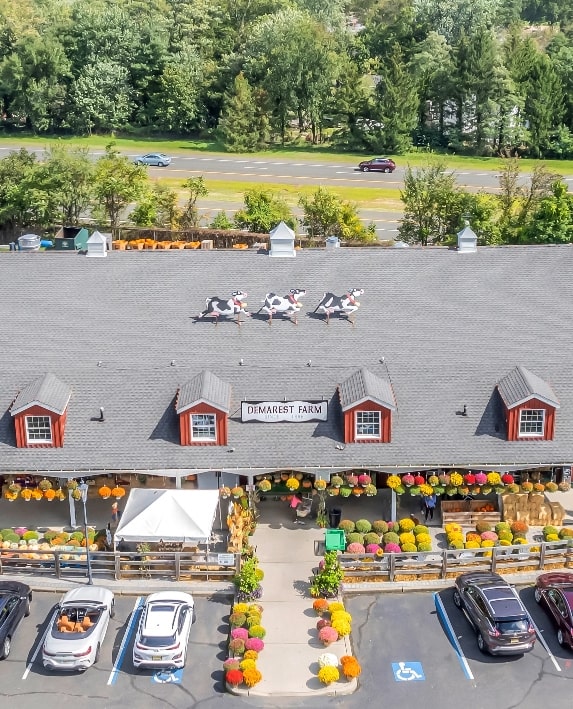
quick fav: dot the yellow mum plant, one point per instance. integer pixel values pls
(393, 482)
(340, 615)
(407, 538)
(494, 479)
(336, 606)
(456, 479)
(426, 490)
(472, 545)
(341, 626)
(328, 674)
(248, 665)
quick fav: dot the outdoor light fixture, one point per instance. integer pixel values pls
(465, 411)
(241, 362)
(83, 488)
(101, 416)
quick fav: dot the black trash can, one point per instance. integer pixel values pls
(334, 517)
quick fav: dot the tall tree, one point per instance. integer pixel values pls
(325, 214)
(72, 170)
(243, 126)
(543, 105)
(197, 188)
(262, 211)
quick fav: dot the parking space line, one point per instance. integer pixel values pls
(450, 631)
(126, 638)
(40, 645)
(545, 645)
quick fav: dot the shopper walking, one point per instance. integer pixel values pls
(429, 506)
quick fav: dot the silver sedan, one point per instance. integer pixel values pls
(78, 629)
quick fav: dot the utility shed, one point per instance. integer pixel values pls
(282, 242)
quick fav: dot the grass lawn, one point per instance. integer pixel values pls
(301, 153)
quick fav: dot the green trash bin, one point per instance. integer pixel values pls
(334, 540)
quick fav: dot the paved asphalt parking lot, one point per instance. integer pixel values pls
(390, 633)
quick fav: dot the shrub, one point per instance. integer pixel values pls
(371, 538)
(363, 526)
(380, 526)
(355, 548)
(486, 543)
(247, 580)
(420, 529)
(322, 623)
(372, 548)
(519, 540)
(453, 527)
(320, 605)
(519, 527)
(234, 677)
(483, 527)
(78, 536)
(327, 659)
(341, 626)
(550, 529)
(340, 615)
(407, 538)
(501, 527)
(504, 543)
(237, 620)
(426, 546)
(334, 606)
(347, 525)
(456, 544)
(253, 619)
(327, 635)
(355, 538)
(257, 631)
(31, 535)
(236, 646)
(11, 537)
(472, 544)
(231, 663)
(328, 674)
(566, 533)
(241, 633)
(251, 655)
(409, 547)
(252, 676)
(248, 664)
(551, 537)
(350, 666)
(506, 535)
(491, 536)
(392, 548)
(48, 536)
(406, 524)
(391, 538)
(255, 644)
(241, 608)
(473, 537)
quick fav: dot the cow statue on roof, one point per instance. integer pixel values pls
(216, 307)
(287, 305)
(345, 304)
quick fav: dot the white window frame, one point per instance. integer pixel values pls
(522, 422)
(209, 422)
(38, 425)
(376, 421)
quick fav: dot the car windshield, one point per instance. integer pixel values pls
(157, 640)
(512, 626)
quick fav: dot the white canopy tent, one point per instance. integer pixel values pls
(168, 515)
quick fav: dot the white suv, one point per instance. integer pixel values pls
(163, 630)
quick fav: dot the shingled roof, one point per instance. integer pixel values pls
(47, 391)
(205, 388)
(520, 385)
(365, 386)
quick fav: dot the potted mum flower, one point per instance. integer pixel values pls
(320, 606)
(336, 481)
(328, 674)
(327, 635)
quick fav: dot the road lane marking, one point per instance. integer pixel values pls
(40, 645)
(542, 641)
(450, 632)
(126, 638)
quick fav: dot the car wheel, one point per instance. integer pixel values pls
(27, 609)
(386, 169)
(365, 169)
(457, 599)
(162, 164)
(537, 595)
(560, 638)
(112, 610)
(6, 645)
(96, 658)
(481, 643)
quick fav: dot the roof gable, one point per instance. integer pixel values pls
(48, 392)
(520, 385)
(365, 386)
(204, 388)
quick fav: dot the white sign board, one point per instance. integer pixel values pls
(293, 411)
(226, 559)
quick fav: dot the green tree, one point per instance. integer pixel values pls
(14, 171)
(325, 214)
(543, 105)
(197, 188)
(242, 126)
(552, 220)
(72, 171)
(117, 183)
(157, 207)
(433, 205)
(262, 212)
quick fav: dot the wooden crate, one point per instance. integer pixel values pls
(457, 511)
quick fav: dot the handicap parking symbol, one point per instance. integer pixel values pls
(408, 671)
(167, 676)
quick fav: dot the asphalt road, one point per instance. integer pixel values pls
(388, 629)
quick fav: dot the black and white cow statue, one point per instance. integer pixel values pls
(344, 304)
(287, 305)
(216, 307)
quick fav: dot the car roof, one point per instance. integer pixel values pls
(13, 587)
(87, 594)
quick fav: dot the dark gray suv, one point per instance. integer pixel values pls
(496, 612)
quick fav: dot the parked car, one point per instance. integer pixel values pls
(78, 630)
(15, 599)
(379, 164)
(554, 592)
(155, 159)
(494, 609)
(163, 630)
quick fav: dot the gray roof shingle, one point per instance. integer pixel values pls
(362, 386)
(521, 384)
(447, 326)
(204, 388)
(47, 391)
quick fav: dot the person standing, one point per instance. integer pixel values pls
(114, 513)
(429, 506)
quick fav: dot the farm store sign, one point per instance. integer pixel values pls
(272, 411)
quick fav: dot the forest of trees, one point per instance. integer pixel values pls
(482, 77)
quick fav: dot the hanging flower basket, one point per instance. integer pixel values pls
(60, 495)
(118, 492)
(419, 480)
(44, 485)
(393, 482)
(265, 485)
(408, 480)
(14, 488)
(49, 494)
(72, 484)
(433, 480)
(333, 491)
(237, 492)
(292, 484)
(26, 494)
(320, 484)
(306, 484)
(345, 491)
(37, 494)
(364, 480)
(10, 496)
(370, 490)
(225, 492)
(357, 491)
(336, 481)
(76, 494)
(352, 480)
(104, 492)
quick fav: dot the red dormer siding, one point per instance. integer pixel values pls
(349, 419)
(513, 415)
(57, 423)
(221, 426)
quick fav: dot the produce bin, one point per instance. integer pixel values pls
(334, 540)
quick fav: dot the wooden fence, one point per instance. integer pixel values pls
(168, 566)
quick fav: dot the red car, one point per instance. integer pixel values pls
(554, 592)
(377, 164)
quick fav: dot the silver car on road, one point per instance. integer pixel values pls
(78, 629)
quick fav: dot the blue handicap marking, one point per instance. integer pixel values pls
(408, 671)
(167, 676)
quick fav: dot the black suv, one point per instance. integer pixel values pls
(496, 612)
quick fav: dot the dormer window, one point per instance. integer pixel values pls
(38, 429)
(531, 422)
(203, 427)
(368, 424)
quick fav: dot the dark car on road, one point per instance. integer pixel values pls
(377, 164)
(554, 592)
(153, 159)
(15, 599)
(493, 608)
